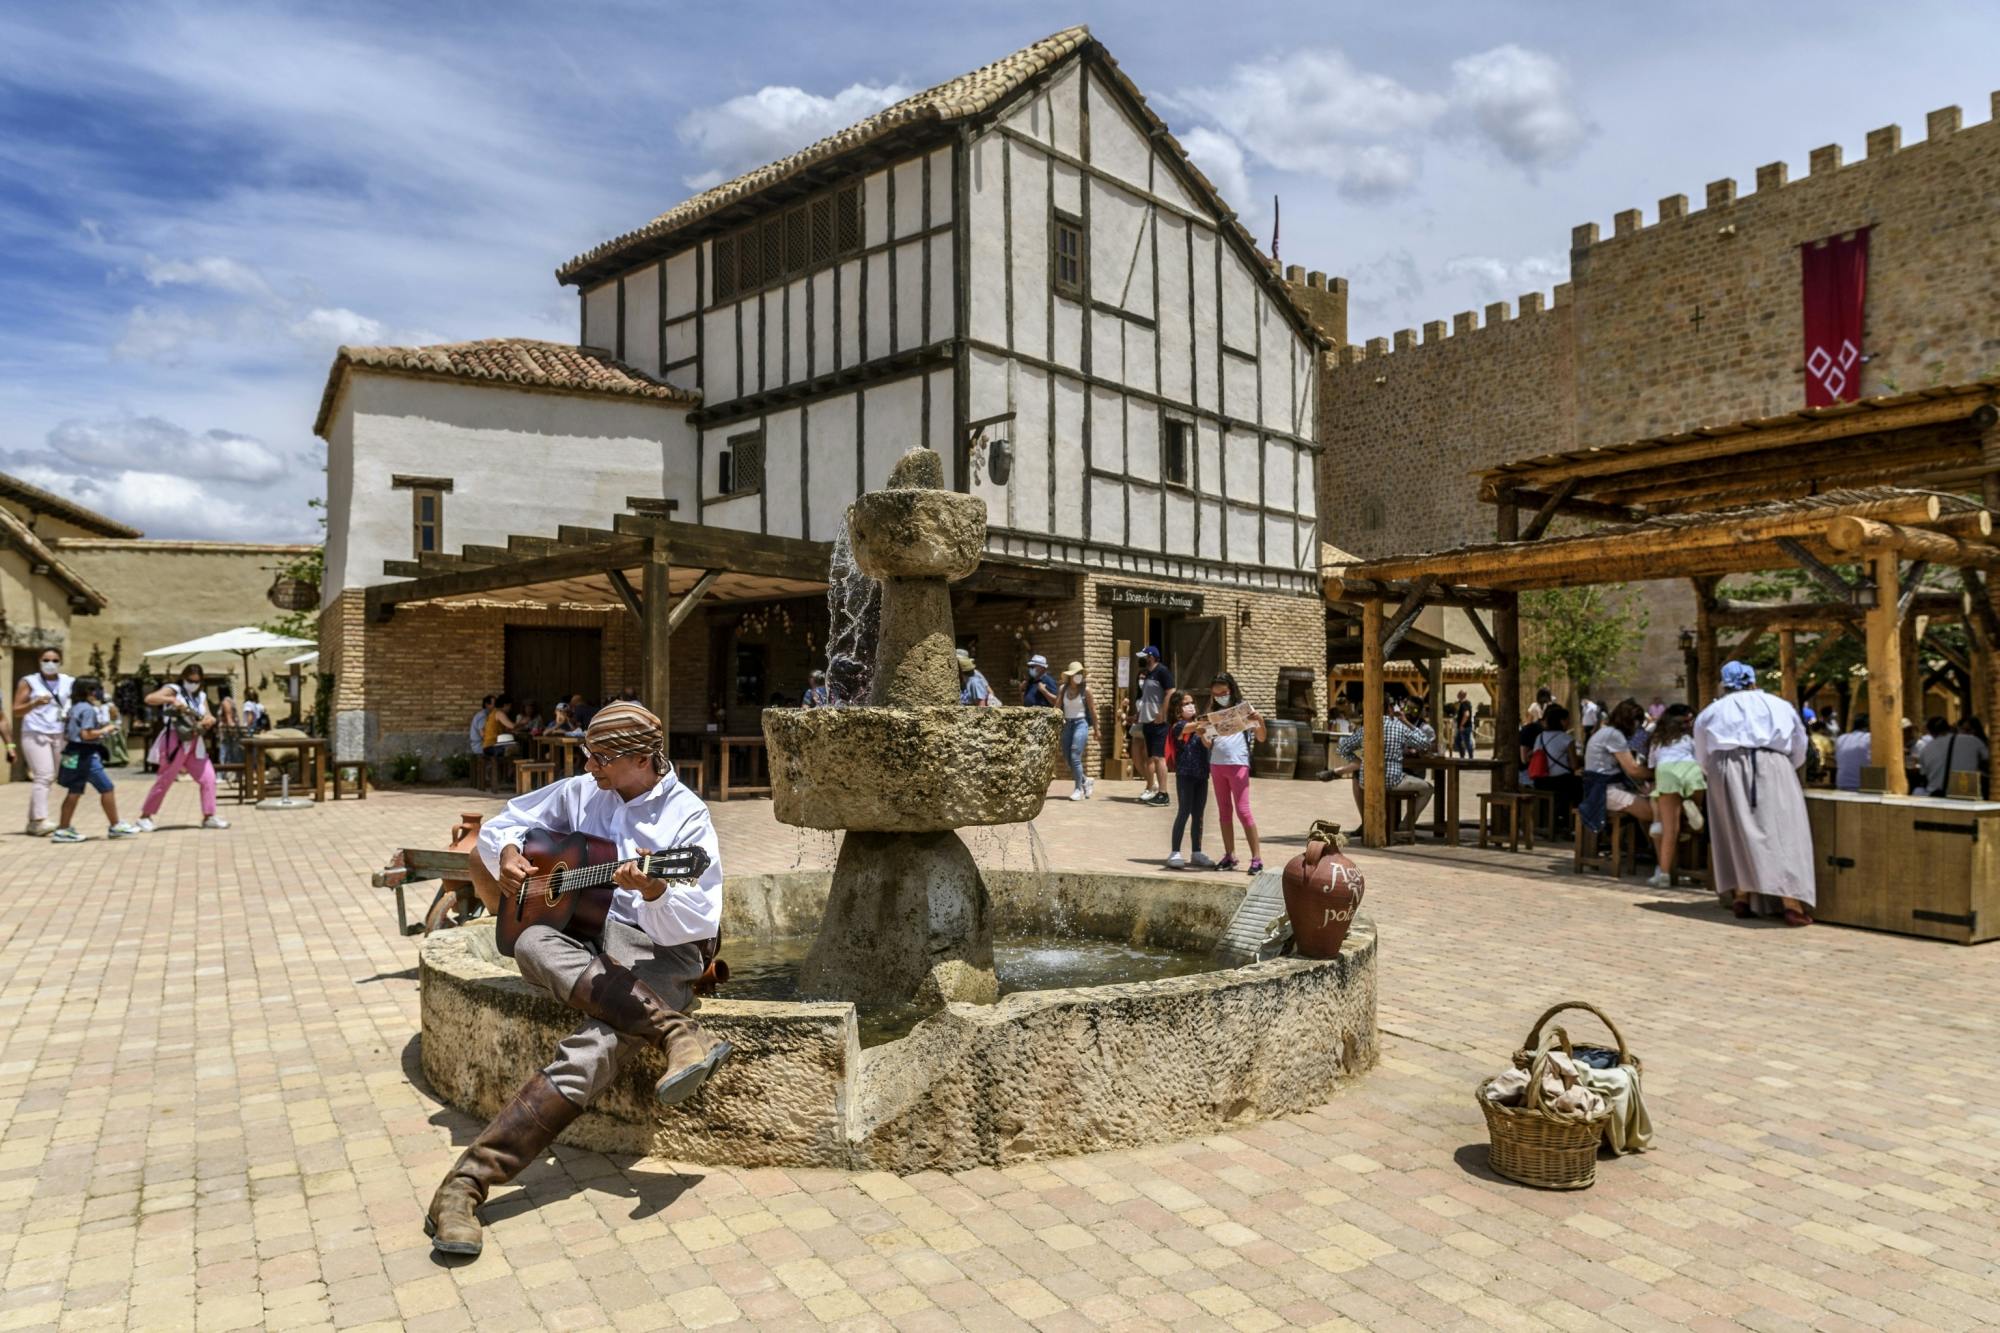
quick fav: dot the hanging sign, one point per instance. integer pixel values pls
(1154, 599)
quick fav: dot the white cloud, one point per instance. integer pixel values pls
(772, 122)
(331, 328)
(1498, 279)
(222, 274)
(134, 444)
(1221, 160)
(1519, 102)
(1314, 112)
(161, 335)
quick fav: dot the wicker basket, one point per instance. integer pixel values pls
(1537, 1148)
(1526, 1055)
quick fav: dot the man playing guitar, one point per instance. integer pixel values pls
(633, 985)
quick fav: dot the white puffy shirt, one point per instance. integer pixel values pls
(667, 816)
(1750, 720)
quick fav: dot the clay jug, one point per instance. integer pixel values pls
(1322, 892)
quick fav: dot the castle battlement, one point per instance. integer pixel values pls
(1500, 317)
(1720, 196)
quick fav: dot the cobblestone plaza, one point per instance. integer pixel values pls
(211, 1118)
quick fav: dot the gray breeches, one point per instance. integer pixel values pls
(589, 1058)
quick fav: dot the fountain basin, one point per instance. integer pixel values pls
(910, 770)
(1039, 1074)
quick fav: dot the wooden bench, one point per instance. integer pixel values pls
(532, 773)
(1520, 824)
(350, 771)
(1402, 812)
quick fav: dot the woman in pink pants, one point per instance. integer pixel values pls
(177, 753)
(1229, 770)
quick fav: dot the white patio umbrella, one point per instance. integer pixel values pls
(245, 641)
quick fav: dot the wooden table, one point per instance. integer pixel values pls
(256, 752)
(717, 749)
(562, 751)
(1444, 807)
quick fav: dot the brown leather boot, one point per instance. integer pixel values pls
(619, 997)
(518, 1135)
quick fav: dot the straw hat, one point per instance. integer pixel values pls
(1073, 669)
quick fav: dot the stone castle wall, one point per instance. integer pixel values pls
(1620, 353)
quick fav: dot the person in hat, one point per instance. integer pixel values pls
(1750, 746)
(818, 694)
(1149, 704)
(973, 691)
(633, 984)
(1078, 706)
(1036, 691)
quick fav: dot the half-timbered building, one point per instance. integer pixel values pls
(1020, 269)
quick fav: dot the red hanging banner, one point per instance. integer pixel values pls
(1834, 275)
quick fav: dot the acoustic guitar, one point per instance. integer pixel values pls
(570, 886)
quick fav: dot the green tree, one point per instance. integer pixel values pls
(1584, 633)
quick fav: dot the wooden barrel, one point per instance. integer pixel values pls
(1312, 757)
(1277, 755)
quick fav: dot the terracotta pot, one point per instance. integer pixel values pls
(1322, 894)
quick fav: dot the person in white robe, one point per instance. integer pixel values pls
(1750, 746)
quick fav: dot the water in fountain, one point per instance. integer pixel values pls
(1054, 914)
(854, 620)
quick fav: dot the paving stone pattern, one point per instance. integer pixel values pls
(211, 1118)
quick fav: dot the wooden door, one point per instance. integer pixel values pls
(1196, 650)
(546, 664)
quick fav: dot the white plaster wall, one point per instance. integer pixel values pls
(681, 283)
(829, 463)
(909, 286)
(1028, 492)
(1029, 233)
(1116, 144)
(798, 340)
(908, 216)
(600, 315)
(987, 291)
(894, 423)
(718, 354)
(823, 330)
(1066, 436)
(850, 313)
(784, 512)
(941, 187)
(642, 319)
(520, 462)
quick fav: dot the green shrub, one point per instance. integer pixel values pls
(458, 766)
(407, 767)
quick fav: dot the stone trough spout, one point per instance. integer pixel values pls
(907, 917)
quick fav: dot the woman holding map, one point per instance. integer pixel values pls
(1232, 722)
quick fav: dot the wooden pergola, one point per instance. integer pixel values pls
(1879, 484)
(660, 570)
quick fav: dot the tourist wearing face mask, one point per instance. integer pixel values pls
(1229, 770)
(181, 747)
(1188, 744)
(41, 701)
(1037, 691)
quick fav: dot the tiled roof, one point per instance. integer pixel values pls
(953, 100)
(524, 363)
(13, 532)
(38, 501)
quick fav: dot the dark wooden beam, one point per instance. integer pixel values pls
(1596, 510)
(1544, 516)
(692, 598)
(1031, 581)
(1486, 636)
(515, 574)
(1908, 594)
(1361, 590)
(627, 594)
(1406, 614)
(734, 552)
(1823, 574)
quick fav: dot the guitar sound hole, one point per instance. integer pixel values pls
(555, 884)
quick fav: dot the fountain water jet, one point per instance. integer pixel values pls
(907, 919)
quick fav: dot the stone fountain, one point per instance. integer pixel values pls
(908, 915)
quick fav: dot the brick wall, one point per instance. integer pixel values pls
(1620, 354)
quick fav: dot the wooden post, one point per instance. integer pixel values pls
(1788, 663)
(1708, 668)
(1885, 678)
(1908, 634)
(1507, 690)
(1434, 684)
(657, 600)
(1374, 745)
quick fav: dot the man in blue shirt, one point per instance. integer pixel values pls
(973, 691)
(1036, 692)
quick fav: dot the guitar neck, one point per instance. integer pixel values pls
(589, 876)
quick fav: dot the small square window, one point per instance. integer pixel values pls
(1174, 458)
(740, 465)
(1067, 258)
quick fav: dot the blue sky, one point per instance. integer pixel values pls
(198, 203)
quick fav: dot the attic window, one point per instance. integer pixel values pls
(1066, 258)
(788, 244)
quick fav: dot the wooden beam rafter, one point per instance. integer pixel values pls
(1406, 614)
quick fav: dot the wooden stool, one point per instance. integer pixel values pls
(532, 773)
(1516, 804)
(694, 774)
(1622, 851)
(342, 769)
(1402, 808)
(1545, 811)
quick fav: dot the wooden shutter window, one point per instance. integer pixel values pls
(1174, 460)
(798, 248)
(1066, 259)
(773, 237)
(847, 219)
(822, 230)
(426, 522)
(725, 267)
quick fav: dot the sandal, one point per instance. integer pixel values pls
(1796, 918)
(1741, 907)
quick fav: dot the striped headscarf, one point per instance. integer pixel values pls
(627, 728)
